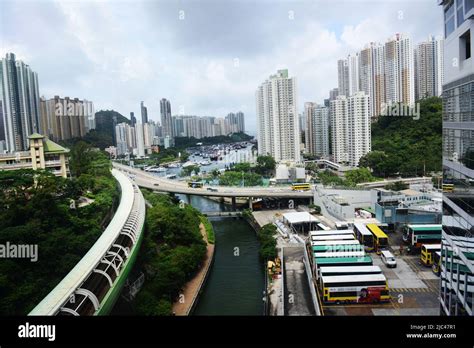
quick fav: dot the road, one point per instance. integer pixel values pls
(144, 179)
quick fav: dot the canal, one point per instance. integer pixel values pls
(236, 281)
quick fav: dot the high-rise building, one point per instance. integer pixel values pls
(348, 75)
(236, 122)
(399, 71)
(166, 121)
(277, 118)
(63, 118)
(350, 128)
(457, 261)
(372, 76)
(333, 93)
(133, 120)
(429, 68)
(144, 113)
(317, 129)
(19, 96)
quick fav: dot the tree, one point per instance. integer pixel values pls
(265, 165)
(397, 186)
(357, 176)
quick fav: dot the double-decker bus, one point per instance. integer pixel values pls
(335, 242)
(427, 253)
(331, 233)
(335, 254)
(364, 236)
(303, 186)
(195, 184)
(333, 237)
(448, 187)
(343, 261)
(380, 238)
(348, 270)
(351, 288)
(416, 235)
(436, 268)
(337, 248)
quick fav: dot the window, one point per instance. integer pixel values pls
(465, 45)
(449, 24)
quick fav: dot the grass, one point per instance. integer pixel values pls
(209, 230)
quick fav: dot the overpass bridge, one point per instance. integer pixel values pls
(92, 287)
(144, 179)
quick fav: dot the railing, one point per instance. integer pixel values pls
(94, 284)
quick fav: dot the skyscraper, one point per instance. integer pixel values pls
(372, 76)
(19, 96)
(429, 68)
(277, 118)
(133, 120)
(144, 112)
(350, 127)
(166, 121)
(399, 71)
(317, 129)
(457, 261)
(236, 122)
(348, 75)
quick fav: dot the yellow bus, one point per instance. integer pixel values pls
(448, 187)
(427, 253)
(304, 186)
(380, 238)
(195, 184)
(358, 288)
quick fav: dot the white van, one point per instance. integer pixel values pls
(388, 259)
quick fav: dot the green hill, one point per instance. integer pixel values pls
(407, 146)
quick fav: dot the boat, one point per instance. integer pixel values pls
(189, 163)
(204, 163)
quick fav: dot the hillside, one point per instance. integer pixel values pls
(407, 146)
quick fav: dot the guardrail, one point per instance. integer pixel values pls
(94, 284)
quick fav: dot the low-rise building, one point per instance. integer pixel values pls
(43, 154)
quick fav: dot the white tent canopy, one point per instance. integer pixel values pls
(298, 218)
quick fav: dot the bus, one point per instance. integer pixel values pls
(436, 268)
(304, 186)
(343, 261)
(364, 236)
(324, 227)
(380, 238)
(448, 187)
(342, 225)
(335, 254)
(337, 248)
(354, 288)
(333, 237)
(331, 233)
(195, 184)
(427, 253)
(348, 270)
(416, 235)
(335, 242)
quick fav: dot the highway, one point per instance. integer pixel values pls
(147, 180)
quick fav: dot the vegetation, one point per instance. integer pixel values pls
(209, 229)
(63, 238)
(185, 142)
(351, 177)
(172, 252)
(234, 178)
(405, 146)
(265, 165)
(187, 171)
(316, 208)
(397, 186)
(267, 242)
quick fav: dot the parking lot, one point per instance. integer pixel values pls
(413, 288)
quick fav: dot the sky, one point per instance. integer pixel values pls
(207, 57)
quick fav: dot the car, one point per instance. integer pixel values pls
(388, 259)
(156, 184)
(212, 189)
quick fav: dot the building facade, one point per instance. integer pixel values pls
(429, 73)
(43, 154)
(20, 101)
(317, 129)
(166, 121)
(277, 118)
(457, 252)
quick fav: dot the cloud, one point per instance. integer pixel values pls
(120, 53)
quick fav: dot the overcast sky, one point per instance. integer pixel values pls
(117, 53)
